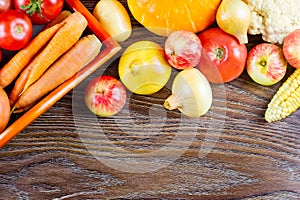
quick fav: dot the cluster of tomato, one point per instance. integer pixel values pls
(17, 18)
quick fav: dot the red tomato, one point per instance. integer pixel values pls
(16, 30)
(4, 109)
(228, 56)
(40, 11)
(4, 5)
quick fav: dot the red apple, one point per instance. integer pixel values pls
(183, 49)
(291, 48)
(266, 64)
(105, 96)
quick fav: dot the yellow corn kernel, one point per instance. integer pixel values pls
(286, 100)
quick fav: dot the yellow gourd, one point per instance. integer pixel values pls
(143, 68)
(114, 18)
(191, 93)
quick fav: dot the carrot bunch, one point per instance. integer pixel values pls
(84, 51)
(53, 56)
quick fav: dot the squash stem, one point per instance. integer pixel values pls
(172, 102)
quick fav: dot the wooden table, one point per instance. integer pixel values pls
(147, 152)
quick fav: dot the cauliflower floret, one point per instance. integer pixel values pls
(274, 19)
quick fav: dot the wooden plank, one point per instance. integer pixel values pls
(249, 159)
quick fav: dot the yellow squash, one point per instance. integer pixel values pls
(163, 16)
(114, 18)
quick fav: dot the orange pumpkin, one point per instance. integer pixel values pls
(164, 16)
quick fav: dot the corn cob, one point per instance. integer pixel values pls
(286, 100)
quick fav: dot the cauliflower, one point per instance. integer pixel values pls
(274, 19)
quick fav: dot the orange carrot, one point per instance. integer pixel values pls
(85, 50)
(62, 15)
(22, 110)
(63, 40)
(11, 70)
(18, 88)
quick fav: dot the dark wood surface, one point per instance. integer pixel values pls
(230, 153)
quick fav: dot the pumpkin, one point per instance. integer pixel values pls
(164, 16)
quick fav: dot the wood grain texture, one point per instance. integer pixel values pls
(230, 153)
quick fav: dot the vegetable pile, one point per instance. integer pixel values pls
(199, 55)
(223, 54)
(54, 55)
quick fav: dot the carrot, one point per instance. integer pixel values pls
(21, 110)
(63, 40)
(85, 50)
(11, 70)
(62, 15)
(18, 88)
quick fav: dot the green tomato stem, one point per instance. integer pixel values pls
(33, 7)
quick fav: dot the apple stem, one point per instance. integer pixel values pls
(101, 91)
(263, 63)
